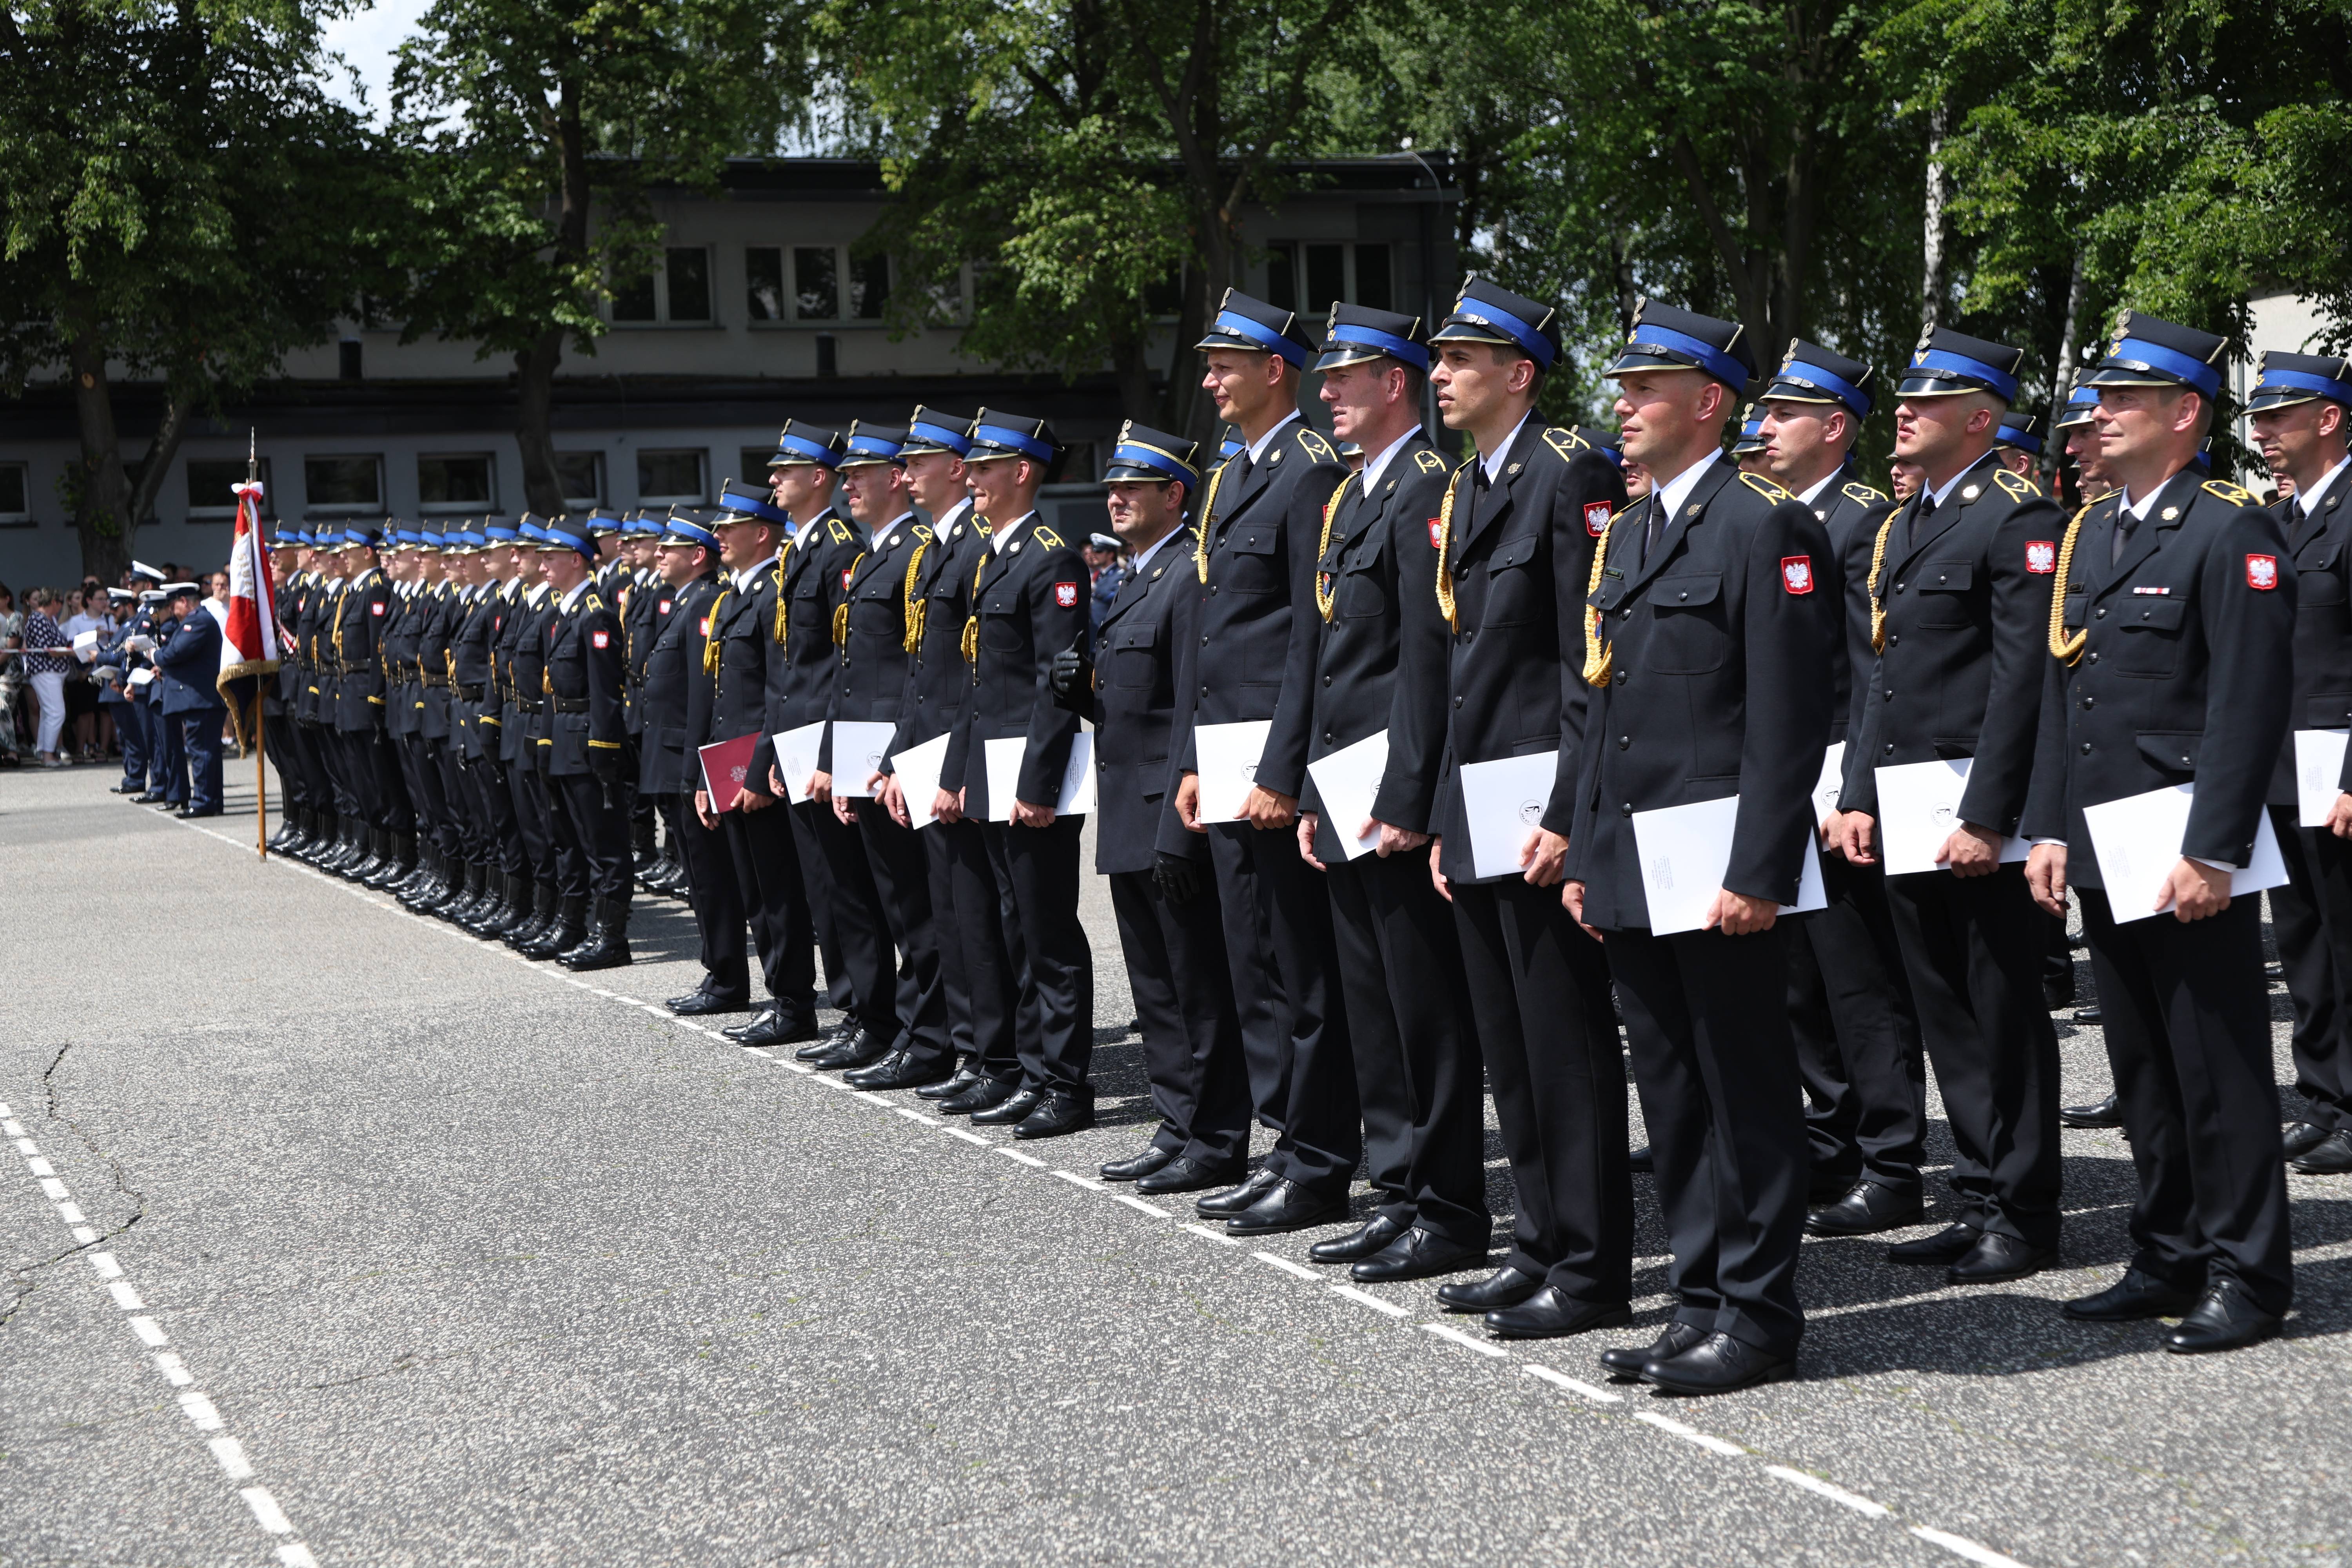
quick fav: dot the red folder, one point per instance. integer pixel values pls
(723, 767)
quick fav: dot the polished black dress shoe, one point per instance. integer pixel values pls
(1288, 1206)
(1627, 1361)
(1868, 1207)
(900, 1069)
(1418, 1254)
(2331, 1156)
(2224, 1318)
(856, 1077)
(986, 1095)
(1008, 1111)
(2300, 1138)
(1996, 1259)
(1135, 1167)
(1639, 1159)
(2134, 1297)
(1946, 1246)
(1233, 1200)
(134, 789)
(700, 1003)
(2100, 1113)
(1186, 1174)
(1057, 1115)
(856, 1051)
(773, 1029)
(1825, 1188)
(962, 1079)
(1361, 1242)
(737, 1031)
(1552, 1313)
(2090, 1015)
(1506, 1286)
(1716, 1364)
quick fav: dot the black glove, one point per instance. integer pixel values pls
(1067, 677)
(1178, 880)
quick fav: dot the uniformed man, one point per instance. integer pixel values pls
(2174, 665)
(1029, 606)
(403, 624)
(2302, 411)
(1748, 447)
(478, 886)
(289, 573)
(1960, 590)
(1710, 661)
(1251, 658)
(641, 615)
(129, 704)
(355, 629)
(187, 667)
(522, 662)
(486, 640)
(1515, 532)
(870, 634)
(1171, 927)
(1849, 1000)
(1410, 1019)
(2017, 443)
(582, 753)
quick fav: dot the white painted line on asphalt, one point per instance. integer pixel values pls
(83, 1236)
(150, 1332)
(39, 1166)
(53, 1190)
(69, 1214)
(1366, 1299)
(175, 1371)
(913, 1115)
(1288, 1266)
(1453, 1335)
(1077, 1181)
(1821, 1488)
(265, 1509)
(25, 1146)
(1208, 1234)
(125, 1296)
(800, 1067)
(1962, 1546)
(1016, 1154)
(294, 1554)
(105, 1266)
(1562, 1380)
(231, 1455)
(1711, 1443)
(13, 1128)
(967, 1137)
(1131, 1200)
(199, 1410)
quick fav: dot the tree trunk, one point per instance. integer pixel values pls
(102, 491)
(2061, 369)
(1931, 277)
(1131, 364)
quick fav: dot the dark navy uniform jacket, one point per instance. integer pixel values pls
(1719, 683)
(524, 661)
(674, 705)
(1967, 599)
(937, 678)
(1031, 604)
(1851, 512)
(2321, 546)
(403, 628)
(743, 626)
(1133, 705)
(2186, 673)
(586, 674)
(359, 618)
(869, 683)
(810, 579)
(649, 604)
(1517, 563)
(187, 665)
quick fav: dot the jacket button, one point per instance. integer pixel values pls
(1890, 747)
(1898, 587)
(1212, 590)
(1893, 640)
(1621, 676)
(1626, 809)
(1204, 691)
(2144, 615)
(2090, 659)
(1326, 737)
(1683, 595)
(2089, 704)
(1467, 635)
(1204, 639)
(1326, 680)
(2100, 614)
(1458, 703)
(1623, 741)
(2086, 748)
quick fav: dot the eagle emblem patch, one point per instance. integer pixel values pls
(1436, 535)
(376, 608)
(706, 626)
(600, 639)
(2041, 556)
(1065, 594)
(1596, 518)
(1797, 573)
(662, 608)
(845, 576)
(2262, 572)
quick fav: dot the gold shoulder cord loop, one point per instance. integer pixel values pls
(972, 622)
(2063, 648)
(1877, 597)
(1207, 520)
(1324, 599)
(841, 611)
(912, 606)
(1445, 548)
(711, 644)
(1598, 654)
(783, 606)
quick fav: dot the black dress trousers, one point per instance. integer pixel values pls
(528, 791)
(2186, 1019)
(1191, 1037)
(769, 885)
(902, 893)
(712, 894)
(987, 938)
(2312, 918)
(1857, 1035)
(842, 902)
(1038, 874)
(1260, 1002)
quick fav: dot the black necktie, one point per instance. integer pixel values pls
(2125, 522)
(1919, 516)
(1654, 527)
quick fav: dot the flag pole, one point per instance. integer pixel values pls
(260, 773)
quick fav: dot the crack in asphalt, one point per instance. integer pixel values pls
(26, 1276)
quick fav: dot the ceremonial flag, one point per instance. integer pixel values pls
(249, 644)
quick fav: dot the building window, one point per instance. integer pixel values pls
(454, 483)
(869, 287)
(673, 479)
(754, 471)
(343, 484)
(816, 283)
(15, 494)
(582, 477)
(678, 291)
(210, 488)
(763, 282)
(1308, 277)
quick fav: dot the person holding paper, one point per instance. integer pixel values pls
(1961, 611)
(1029, 605)
(1253, 661)
(186, 668)
(1850, 1002)
(2302, 407)
(1514, 537)
(1170, 925)
(1410, 1021)
(1709, 647)
(2173, 665)
(869, 685)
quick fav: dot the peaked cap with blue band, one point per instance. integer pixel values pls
(499, 531)
(686, 526)
(2146, 351)
(2077, 412)
(1143, 453)
(995, 435)
(1946, 364)
(740, 502)
(932, 431)
(641, 524)
(1812, 373)
(531, 530)
(2022, 431)
(604, 520)
(1666, 339)
(1751, 432)
(568, 533)
(1230, 443)
(1258, 328)
(361, 533)
(870, 444)
(2281, 379)
(799, 443)
(1355, 335)
(1487, 313)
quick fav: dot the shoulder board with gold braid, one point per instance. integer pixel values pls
(1765, 488)
(922, 531)
(837, 529)
(1429, 462)
(1862, 494)
(1047, 537)
(1567, 443)
(2017, 486)
(1311, 442)
(2227, 491)
(841, 611)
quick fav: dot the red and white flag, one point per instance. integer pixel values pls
(250, 629)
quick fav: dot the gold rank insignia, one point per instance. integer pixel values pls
(1856, 491)
(1311, 442)
(839, 530)
(1047, 537)
(2227, 491)
(2018, 486)
(1765, 488)
(1567, 443)
(923, 533)
(1429, 462)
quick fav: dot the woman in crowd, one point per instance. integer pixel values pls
(46, 672)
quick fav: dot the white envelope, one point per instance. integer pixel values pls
(918, 770)
(1832, 784)
(141, 677)
(1502, 802)
(140, 644)
(1684, 852)
(1004, 756)
(858, 746)
(2138, 840)
(1226, 757)
(2319, 763)
(85, 646)
(796, 751)
(1347, 780)
(1919, 809)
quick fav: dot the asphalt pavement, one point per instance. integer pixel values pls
(333, 1235)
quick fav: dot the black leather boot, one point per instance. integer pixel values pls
(608, 946)
(568, 931)
(543, 915)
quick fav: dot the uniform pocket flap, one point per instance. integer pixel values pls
(2175, 751)
(1253, 541)
(1001, 602)
(2153, 615)
(1513, 553)
(2327, 711)
(1678, 593)
(1944, 576)
(1144, 636)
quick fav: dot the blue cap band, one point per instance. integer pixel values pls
(1389, 344)
(680, 531)
(498, 532)
(2011, 437)
(791, 446)
(1712, 360)
(874, 446)
(955, 441)
(2301, 381)
(1538, 346)
(1028, 445)
(2003, 386)
(1152, 457)
(2204, 377)
(1259, 332)
(1844, 391)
